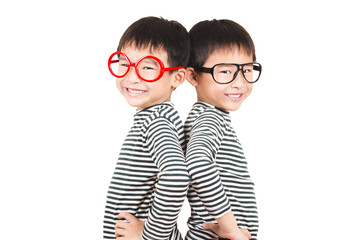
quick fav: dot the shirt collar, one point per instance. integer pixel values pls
(148, 110)
(204, 105)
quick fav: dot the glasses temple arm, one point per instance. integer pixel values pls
(257, 68)
(173, 68)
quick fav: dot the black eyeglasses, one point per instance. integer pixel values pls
(225, 73)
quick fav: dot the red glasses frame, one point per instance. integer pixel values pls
(130, 64)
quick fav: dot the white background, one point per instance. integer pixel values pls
(63, 120)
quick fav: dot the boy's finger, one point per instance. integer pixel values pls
(246, 231)
(126, 215)
(209, 226)
(121, 224)
(120, 232)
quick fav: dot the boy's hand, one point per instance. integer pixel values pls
(130, 230)
(241, 234)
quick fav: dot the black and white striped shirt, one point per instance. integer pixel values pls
(217, 167)
(150, 180)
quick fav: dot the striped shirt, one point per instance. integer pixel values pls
(150, 180)
(218, 170)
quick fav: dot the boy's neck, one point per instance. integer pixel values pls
(165, 102)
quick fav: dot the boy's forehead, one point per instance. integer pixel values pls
(230, 50)
(152, 50)
(229, 54)
(135, 52)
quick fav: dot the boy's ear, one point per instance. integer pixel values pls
(191, 76)
(179, 78)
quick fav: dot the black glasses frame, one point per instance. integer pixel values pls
(257, 66)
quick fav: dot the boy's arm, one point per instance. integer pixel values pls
(171, 187)
(205, 139)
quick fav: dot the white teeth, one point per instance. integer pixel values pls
(135, 91)
(234, 95)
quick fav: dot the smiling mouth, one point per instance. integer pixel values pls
(134, 92)
(234, 95)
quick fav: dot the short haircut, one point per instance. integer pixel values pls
(212, 35)
(158, 33)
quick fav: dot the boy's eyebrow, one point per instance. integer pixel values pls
(122, 58)
(150, 61)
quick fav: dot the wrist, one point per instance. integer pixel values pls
(228, 223)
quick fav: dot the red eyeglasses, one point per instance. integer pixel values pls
(148, 68)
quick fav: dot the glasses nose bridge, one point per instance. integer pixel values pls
(239, 74)
(132, 73)
(240, 70)
(132, 64)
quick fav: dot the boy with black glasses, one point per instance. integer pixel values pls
(222, 68)
(150, 181)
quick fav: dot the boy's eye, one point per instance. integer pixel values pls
(148, 64)
(247, 69)
(225, 71)
(148, 68)
(123, 63)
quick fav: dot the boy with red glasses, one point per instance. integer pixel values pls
(150, 181)
(222, 68)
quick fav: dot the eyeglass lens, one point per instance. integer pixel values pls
(225, 73)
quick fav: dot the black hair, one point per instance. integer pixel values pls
(209, 36)
(158, 33)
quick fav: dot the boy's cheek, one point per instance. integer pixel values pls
(118, 84)
(249, 90)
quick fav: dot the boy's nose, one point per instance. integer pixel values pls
(239, 81)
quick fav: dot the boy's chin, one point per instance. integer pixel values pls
(232, 107)
(136, 104)
(141, 105)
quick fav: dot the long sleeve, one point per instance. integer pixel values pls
(205, 139)
(171, 188)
